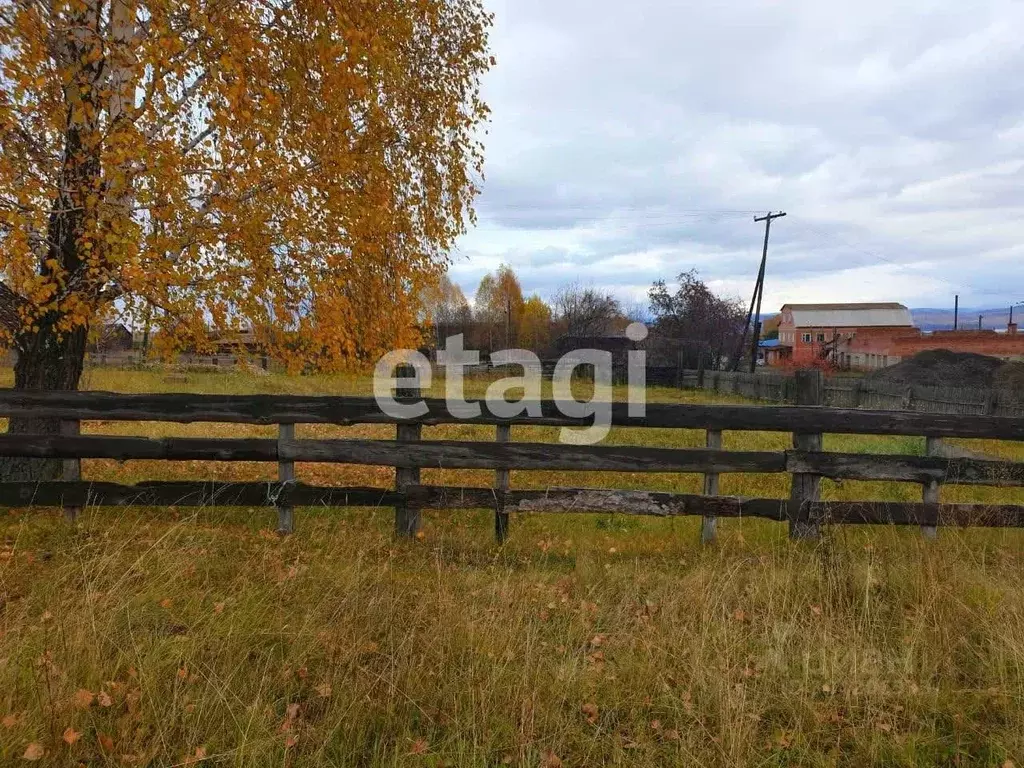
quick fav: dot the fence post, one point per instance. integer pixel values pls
(407, 514)
(71, 469)
(501, 484)
(930, 490)
(285, 474)
(806, 488)
(709, 523)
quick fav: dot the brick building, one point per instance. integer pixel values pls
(810, 332)
(867, 351)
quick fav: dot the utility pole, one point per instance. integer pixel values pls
(755, 300)
(979, 321)
(956, 310)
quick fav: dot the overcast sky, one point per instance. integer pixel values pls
(633, 140)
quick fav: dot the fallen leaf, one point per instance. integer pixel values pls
(104, 699)
(46, 616)
(324, 690)
(218, 608)
(106, 742)
(293, 711)
(590, 710)
(816, 610)
(200, 753)
(419, 747)
(597, 641)
(71, 735)
(739, 615)
(83, 699)
(33, 752)
(291, 740)
(551, 760)
(671, 734)
(166, 602)
(10, 721)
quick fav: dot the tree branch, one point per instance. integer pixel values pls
(10, 304)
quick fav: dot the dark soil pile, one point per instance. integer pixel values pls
(942, 368)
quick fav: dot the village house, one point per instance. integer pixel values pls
(812, 332)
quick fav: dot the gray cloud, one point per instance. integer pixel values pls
(632, 141)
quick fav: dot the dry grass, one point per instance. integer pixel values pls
(585, 640)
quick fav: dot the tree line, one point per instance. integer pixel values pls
(688, 324)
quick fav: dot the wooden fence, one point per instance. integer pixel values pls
(853, 391)
(409, 453)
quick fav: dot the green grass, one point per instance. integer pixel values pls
(585, 640)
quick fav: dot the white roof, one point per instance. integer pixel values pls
(849, 315)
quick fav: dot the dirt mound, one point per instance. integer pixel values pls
(942, 368)
(1011, 377)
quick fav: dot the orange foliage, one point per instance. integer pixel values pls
(300, 168)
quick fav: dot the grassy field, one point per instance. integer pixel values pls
(160, 637)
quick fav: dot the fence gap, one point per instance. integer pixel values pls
(503, 434)
(407, 513)
(285, 474)
(930, 490)
(806, 488)
(71, 469)
(709, 523)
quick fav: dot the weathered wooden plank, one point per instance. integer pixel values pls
(527, 456)
(908, 469)
(407, 511)
(806, 487)
(449, 454)
(709, 523)
(930, 488)
(189, 494)
(602, 500)
(569, 500)
(503, 434)
(285, 474)
(72, 468)
(274, 409)
(919, 514)
(398, 453)
(126, 448)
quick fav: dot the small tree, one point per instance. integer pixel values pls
(499, 307)
(693, 322)
(535, 325)
(446, 310)
(582, 311)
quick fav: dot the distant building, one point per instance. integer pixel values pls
(875, 352)
(112, 337)
(810, 332)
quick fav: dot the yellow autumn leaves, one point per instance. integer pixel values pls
(289, 169)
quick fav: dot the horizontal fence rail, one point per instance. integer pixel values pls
(297, 409)
(410, 453)
(452, 454)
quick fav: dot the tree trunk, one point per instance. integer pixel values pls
(46, 360)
